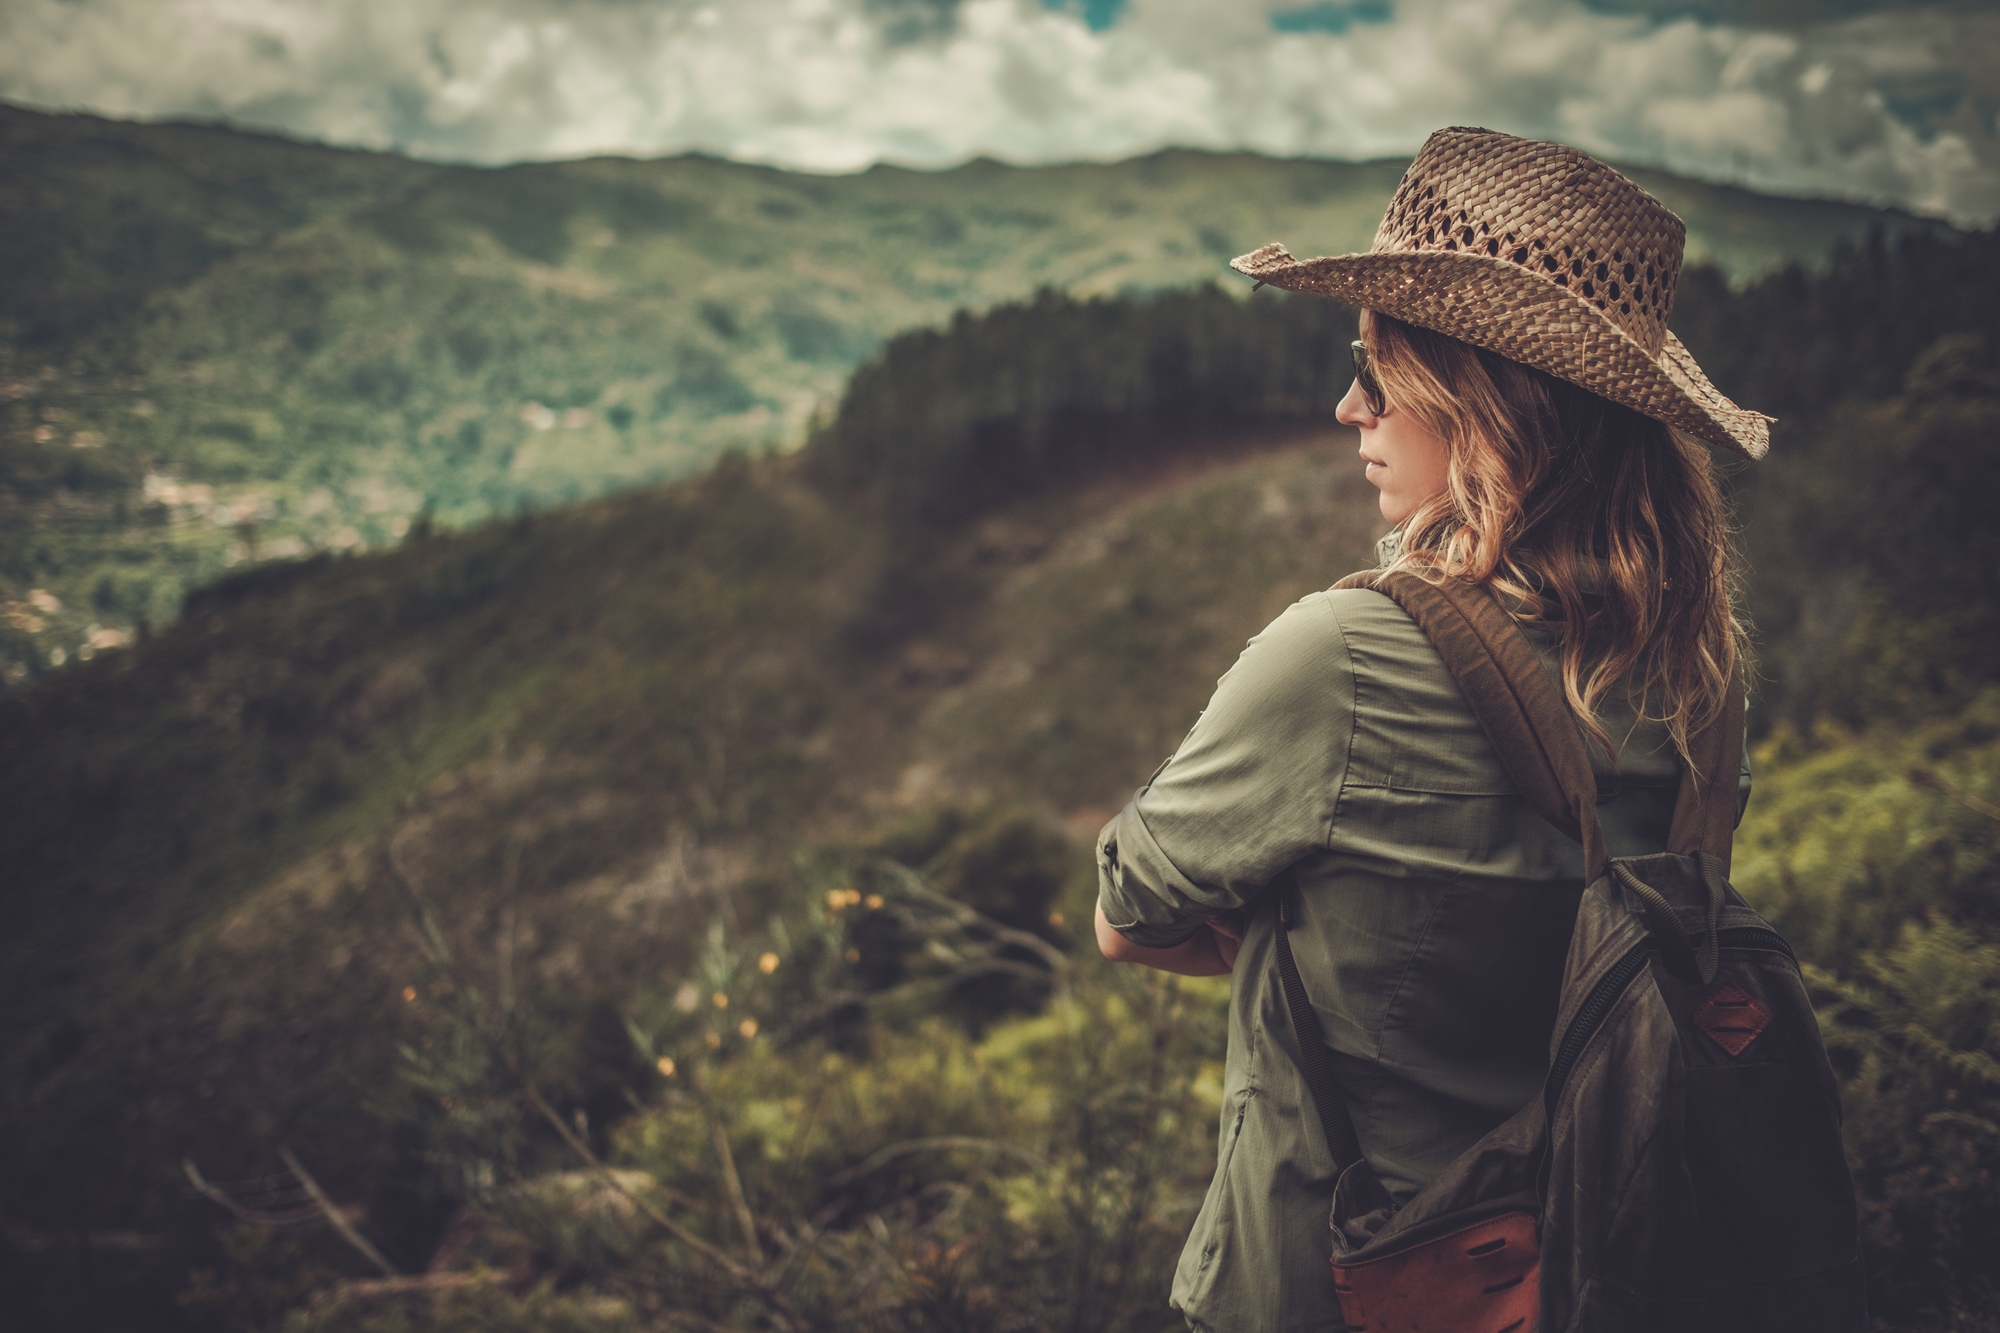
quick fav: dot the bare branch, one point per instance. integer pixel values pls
(913, 884)
(881, 1157)
(263, 1217)
(646, 1206)
(333, 1215)
(738, 1201)
(808, 1242)
(1922, 775)
(396, 1286)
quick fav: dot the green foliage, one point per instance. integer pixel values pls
(751, 1024)
(264, 1273)
(1801, 343)
(1007, 863)
(1917, 1033)
(1867, 533)
(802, 1174)
(1845, 846)
(1879, 857)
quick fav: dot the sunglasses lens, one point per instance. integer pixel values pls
(1364, 375)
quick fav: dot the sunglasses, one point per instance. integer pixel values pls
(1364, 375)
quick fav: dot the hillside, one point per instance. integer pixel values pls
(218, 347)
(591, 731)
(366, 853)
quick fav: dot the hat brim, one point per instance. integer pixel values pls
(1504, 308)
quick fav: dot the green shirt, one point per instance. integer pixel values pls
(1435, 912)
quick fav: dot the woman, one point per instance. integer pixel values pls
(1530, 425)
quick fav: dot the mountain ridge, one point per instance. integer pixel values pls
(223, 347)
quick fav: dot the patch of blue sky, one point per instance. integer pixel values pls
(1097, 15)
(1923, 101)
(1334, 16)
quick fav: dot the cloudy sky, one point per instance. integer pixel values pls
(1867, 99)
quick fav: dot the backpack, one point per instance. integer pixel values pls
(1682, 1168)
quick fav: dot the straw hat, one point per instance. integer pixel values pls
(1544, 255)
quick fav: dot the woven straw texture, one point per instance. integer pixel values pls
(1544, 255)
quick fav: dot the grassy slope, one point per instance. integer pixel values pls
(309, 348)
(601, 718)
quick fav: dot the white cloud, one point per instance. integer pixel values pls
(1889, 106)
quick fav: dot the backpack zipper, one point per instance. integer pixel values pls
(1590, 1015)
(1754, 937)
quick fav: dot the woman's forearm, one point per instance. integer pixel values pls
(1200, 955)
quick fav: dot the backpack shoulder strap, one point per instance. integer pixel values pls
(1517, 703)
(1522, 710)
(1705, 809)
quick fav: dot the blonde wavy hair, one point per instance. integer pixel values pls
(1598, 523)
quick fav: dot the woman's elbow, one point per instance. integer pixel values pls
(1113, 945)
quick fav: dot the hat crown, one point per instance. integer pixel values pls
(1559, 214)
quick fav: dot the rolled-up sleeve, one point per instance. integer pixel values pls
(1251, 790)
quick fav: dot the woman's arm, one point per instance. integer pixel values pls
(1209, 952)
(1250, 792)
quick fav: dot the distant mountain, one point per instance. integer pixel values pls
(218, 347)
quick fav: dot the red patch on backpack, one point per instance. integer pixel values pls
(1732, 1018)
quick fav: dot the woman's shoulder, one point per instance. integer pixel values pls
(1346, 632)
(1371, 625)
(1331, 610)
(1335, 620)
(1304, 638)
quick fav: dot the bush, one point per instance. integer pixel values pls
(1879, 856)
(1916, 1032)
(821, 1149)
(1847, 842)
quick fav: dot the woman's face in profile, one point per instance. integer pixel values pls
(1406, 461)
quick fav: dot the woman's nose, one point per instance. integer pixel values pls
(1352, 409)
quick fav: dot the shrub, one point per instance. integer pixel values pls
(1879, 856)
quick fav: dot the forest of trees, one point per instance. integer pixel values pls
(1032, 397)
(1883, 371)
